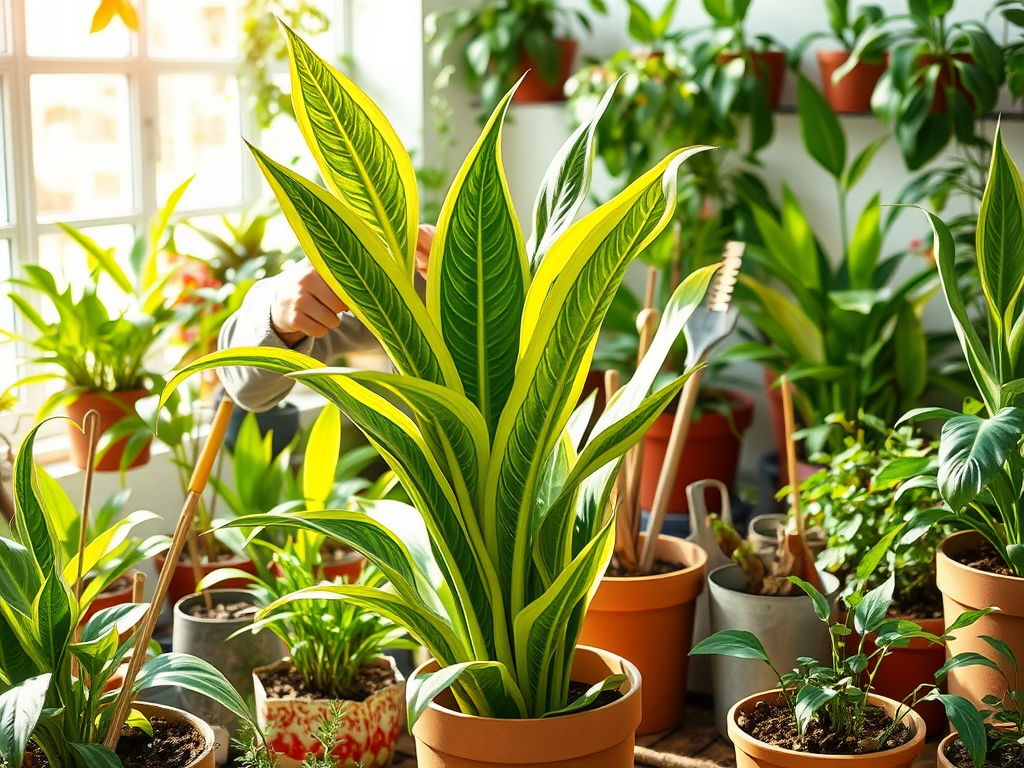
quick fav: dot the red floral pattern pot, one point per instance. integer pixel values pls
(368, 733)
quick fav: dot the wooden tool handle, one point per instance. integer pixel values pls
(670, 468)
(181, 532)
(201, 474)
(790, 425)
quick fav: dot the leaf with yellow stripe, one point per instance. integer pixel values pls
(359, 154)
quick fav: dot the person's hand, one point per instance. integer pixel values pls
(304, 305)
(424, 239)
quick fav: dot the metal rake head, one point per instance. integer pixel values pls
(715, 319)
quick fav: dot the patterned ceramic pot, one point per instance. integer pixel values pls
(368, 733)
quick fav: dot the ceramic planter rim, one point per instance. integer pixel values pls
(286, 662)
(947, 566)
(682, 572)
(633, 688)
(200, 725)
(948, 739)
(775, 754)
(205, 619)
(785, 600)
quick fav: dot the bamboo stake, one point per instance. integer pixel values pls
(139, 587)
(670, 467)
(625, 546)
(196, 486)
(796, 542)
(91, 426)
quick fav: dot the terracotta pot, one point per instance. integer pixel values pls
(711, 452)
(368, 732)
(535, 89)
(771, 71)
(939, 102)
(751, 753)
(183, 581)
(853, 92)
(940, 756)
(966, 589)
(206, 759)
(649, 620)
(600, 738)
(350, 567)
(904, 669)
(109, 598)
(112, 408)
(774, 397)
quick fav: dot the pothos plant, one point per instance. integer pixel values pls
(65, 713)
(833, 694)
(494, 564)
(981, 470)
(930, 56)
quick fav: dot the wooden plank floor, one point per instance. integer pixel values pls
(695, 738)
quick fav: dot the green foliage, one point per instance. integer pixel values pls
(929, 55)
(509, 529)
(107, 327)
(491, 39)
(40, 699)
(854, 498)
(981, 471)
(835, 694)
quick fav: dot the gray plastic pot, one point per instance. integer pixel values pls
(786, 626)
(236, 657)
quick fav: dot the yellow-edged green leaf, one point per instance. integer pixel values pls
(101, 258)
(360, 156)
(802, 333)
(321, 458)
(865, 245)
(478, 272)
(357, 266)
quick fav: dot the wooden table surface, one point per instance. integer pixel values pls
(695, 738)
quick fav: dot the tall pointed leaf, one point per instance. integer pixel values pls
(498, 689)
(565, 184)
(358, 267)
(822, 134)
(477, 278)
(20, 708)
(359, 154)
(865, 245)
(320, 462)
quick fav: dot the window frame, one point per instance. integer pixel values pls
(23, 228)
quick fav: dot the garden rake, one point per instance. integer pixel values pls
(708, 326)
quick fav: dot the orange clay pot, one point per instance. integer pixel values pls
(853, 92)
(967, 589)
(711, 452)
(945, 79)
(771, 71)
(109, 598)
(600, 738)
(207, 758)
(649, 620)
(112, 408)
(183, 581)
(535, 89)
(751, 753)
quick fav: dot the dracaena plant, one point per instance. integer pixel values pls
(52, 684)
(328, 640)
(834, 694)
(493, 565)
(981, 471)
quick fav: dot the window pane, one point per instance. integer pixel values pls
(3, 27)
(8, 352)
(193, 29)
(67, 261)
(5, 211)
(82, 145)
(199, 134)
(61, 28)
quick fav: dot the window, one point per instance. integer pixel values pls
(96, 130)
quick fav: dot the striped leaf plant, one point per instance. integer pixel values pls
(494, 563)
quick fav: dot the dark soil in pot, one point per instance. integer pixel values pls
(222, 611)
(774, 724)
(288, 684)
(986, 558)
(660, 566)
(1007, 756)
(173, 744)
(577, 690)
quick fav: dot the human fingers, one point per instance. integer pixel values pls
(313, 284)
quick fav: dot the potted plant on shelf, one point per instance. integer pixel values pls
(335, 658)
(55, 698)
(823, 709)
(1003, 744)
(500, 41)
(942, 75)
(113, 376)
(861, 509)
(980, 465)
(852, 91)
(492, 566)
